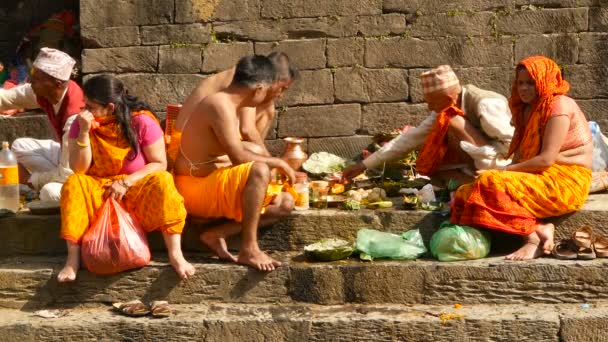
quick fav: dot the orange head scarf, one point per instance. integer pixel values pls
(109, 147)
(549, 83)
(435, 145)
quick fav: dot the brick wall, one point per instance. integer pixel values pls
(360, 59)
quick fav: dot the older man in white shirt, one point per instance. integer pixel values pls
(483, 133)
(60, 98)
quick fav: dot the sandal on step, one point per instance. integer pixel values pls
(565, 250)
(160, 309)
(134, 308)
(601, 246)
(584, 238)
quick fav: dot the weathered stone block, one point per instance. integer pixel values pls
(94, 13)
(159, 89)
(319, 8)
(452, 24)
(437, 6)
(221, 56)
(313, 87)
(32, 124)
(345, 52)
(337, 27)
(456, 51)
(320, 121)
(497, 79)
(385, 117)
(173, 34)
(96, 37)
(583, 325)
(593, 48)
(598, 19)
(587, 81)
(370, 85)
(180, 59)
(346, 147)
(304, 54)
(124, 59)
(458, 6)
(596, 110)
(189, 11)
(561, 48)
(543, 21)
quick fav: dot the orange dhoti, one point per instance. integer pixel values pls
(513, 202)
(219, 195)
(153, 201)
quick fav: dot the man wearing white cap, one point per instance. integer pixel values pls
(469, 128)
(60, 98)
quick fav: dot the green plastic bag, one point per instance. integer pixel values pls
(376, 244)
(455, 243)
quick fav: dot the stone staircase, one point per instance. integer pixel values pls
(303, 301)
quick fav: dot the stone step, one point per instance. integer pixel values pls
(267, 322)
(35, 234)
(29, 282)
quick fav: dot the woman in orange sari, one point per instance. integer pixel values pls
(117, 149)
(550, 174)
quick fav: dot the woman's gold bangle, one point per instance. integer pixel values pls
(81, 144)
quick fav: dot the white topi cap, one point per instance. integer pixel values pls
(55, 63)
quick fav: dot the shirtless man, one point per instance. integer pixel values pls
(237, 190)
(254, 121)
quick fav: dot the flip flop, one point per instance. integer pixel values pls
(160, 309)
(564, 250)
(583, 238)
(134, 308)
(601, 246)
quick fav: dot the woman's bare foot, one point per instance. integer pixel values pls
(530, 250)
(545, 234)
(217, 245)
(68, 272)
(183, 268)
(257, 259)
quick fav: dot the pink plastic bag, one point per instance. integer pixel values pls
(115, 242)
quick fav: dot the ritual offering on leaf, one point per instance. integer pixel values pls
(329, 250)
(322, 163)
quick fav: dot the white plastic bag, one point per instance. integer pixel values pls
(600, 149)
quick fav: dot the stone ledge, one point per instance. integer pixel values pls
(32, 234)
(223, 322)
(30, 282)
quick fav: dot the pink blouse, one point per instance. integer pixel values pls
(579, 133)
(148, 132)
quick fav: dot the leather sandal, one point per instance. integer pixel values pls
(600, 245)
(160, 309)
(134, 308)
(565, 250)
(584, 238)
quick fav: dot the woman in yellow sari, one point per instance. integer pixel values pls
(117, 149)
(550, 174)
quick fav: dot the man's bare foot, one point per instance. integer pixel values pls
(183, 268)
(530, 250)
(68, 272)
(217, 245)
(545, 234)
(258, 260)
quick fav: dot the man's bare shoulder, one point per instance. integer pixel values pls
(217, 104)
